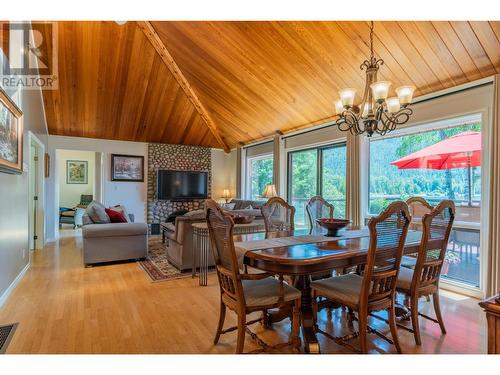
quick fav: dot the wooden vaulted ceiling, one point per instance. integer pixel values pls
(221, 84)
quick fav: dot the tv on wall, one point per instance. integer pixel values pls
(182, 185)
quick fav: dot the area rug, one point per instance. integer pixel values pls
(156, 264)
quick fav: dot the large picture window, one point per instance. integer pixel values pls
(317, 171)
(259, 174)
(394, 176)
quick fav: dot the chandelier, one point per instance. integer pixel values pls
(377, 113)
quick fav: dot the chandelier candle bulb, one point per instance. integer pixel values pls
(405, 94)
(347, 97)
(392, 104)
(380, 90)
(366, 109)
(339, 107)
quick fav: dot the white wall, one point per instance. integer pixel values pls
(223, 173)
(132, 195)
(69, 194)
(14, 198)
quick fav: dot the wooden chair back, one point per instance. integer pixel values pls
(418, 207)
(318, 208)
(387, 238)
(436, 232)
(278, 215)
(220, 229)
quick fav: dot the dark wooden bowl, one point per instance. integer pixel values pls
(242, 219)
(332, 225)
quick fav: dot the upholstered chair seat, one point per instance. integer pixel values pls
(344, 289)
(267, 292)
(408, 262)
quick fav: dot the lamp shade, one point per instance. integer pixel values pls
(226, 193)
(269, 191)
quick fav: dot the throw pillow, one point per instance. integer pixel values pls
(115, 216)
(249, 207)
(120, 208)
(97, 213)
(228, 206)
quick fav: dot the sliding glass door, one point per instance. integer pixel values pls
(457, 178)
(317, 171)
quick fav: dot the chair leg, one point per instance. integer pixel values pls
(414, 319)
(437, 310)
(242, 320)
(315, 306)
(296, 325)
(363, 326)
(222, 317)
(394, 330)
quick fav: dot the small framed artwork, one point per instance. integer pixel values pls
(127, 168)
(11, 135)
(77, 172)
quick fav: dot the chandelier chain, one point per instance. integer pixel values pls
(371, 39)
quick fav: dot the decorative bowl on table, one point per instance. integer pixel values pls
(242, 219)
(332, 225)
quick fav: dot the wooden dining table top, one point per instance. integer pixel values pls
(314, 257)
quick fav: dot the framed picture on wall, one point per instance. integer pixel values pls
(11, 135)
(127, 168)
(77, 172)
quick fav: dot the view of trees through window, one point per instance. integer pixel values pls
(260, 174)
(388, 183)
(317, 171)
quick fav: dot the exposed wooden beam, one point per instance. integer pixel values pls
(169, 61)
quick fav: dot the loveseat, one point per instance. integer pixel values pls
(108, 242)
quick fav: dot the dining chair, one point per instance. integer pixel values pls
(246, 293)
(278, 215)
(417, 207)
(317, 207)
(423, 280)
(374, 289)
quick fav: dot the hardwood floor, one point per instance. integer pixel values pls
(63, 307)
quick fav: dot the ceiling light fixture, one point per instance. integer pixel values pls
(379, 113)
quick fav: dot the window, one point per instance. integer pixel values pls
(387, 183)
(317, 171)
(259, 174)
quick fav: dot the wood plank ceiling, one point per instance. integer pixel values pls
(252, 78)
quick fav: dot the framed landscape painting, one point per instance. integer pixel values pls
(127, 168)
(11, 135)
(77, 172)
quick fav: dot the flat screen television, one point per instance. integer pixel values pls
(182, 185)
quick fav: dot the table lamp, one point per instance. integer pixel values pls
(226, 195)
(269, 191)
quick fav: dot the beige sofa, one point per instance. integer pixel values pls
(180, 241)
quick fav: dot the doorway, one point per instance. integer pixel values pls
(36, 193)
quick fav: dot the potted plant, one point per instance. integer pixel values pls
(450, 257)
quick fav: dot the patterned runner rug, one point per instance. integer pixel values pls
(156, 264)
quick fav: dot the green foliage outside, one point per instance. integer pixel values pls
(388, 183)
(261, 174)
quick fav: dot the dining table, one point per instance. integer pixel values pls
(301, 255)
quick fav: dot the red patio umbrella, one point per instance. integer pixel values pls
(459, 151)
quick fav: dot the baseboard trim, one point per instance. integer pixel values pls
(13, 285)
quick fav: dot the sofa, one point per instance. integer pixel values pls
(109, 242)
(180, 240)
(240, 207)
